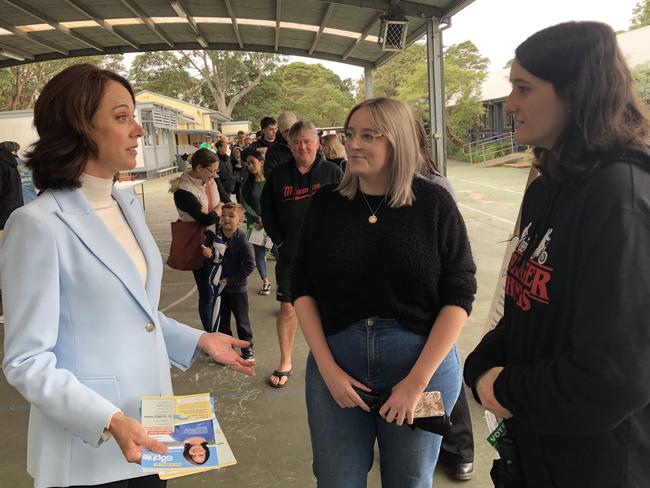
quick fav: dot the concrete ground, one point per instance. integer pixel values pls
(267, 428)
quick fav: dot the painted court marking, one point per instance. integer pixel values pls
(486, 213)
(181, 299)
(486, 185)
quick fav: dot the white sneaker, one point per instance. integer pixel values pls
(266, 289)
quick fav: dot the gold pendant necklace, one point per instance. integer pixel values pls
(373, 217)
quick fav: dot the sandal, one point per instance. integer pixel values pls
(279, 375)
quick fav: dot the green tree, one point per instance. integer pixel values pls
(641, 14)
(311, 91)
(389, 76)
(267, 98)
(164, 72)
(21, 84)
(230, 75)
(642, 78)
(464, 70)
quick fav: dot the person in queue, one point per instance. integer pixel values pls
(199, 197)
(285, 199)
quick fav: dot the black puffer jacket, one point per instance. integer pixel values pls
(277, 154)
(11, 192)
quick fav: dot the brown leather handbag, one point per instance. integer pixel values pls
(185, 250)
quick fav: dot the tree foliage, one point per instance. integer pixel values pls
(20, 85)
(311, 91)
(406, 77)
(642, 79)
(230, 75)
(389, 76)
(164, 72)
(641, 14)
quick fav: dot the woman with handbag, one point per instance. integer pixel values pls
(81, 277)
(382, 283)
(198, 196)
(251, 194)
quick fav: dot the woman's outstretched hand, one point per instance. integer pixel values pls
(221, 348)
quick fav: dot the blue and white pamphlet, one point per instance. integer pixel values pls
(189, 428)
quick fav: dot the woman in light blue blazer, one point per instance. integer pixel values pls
(81, 277)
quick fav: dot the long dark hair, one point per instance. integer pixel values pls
(62, 117)
(589, 74)
(429, 164)
(249, 182)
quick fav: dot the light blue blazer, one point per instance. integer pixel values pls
(83, 336)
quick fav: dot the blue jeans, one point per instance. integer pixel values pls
(260, 260)
(379, 353)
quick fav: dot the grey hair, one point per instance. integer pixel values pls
(394, 120)
(300, 126)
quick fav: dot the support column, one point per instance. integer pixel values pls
(368, 75)
(437, 120)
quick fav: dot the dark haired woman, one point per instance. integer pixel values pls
(568, 364)
(251, 195)
(196, 450)
(199, 196)
(81, 274)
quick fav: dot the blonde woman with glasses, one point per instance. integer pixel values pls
(382, 284)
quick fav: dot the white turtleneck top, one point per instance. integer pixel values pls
(98, 193)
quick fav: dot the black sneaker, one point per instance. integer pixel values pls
(248, 353)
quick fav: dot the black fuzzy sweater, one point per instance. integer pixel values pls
(407, 266)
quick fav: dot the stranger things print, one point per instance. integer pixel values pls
(528, 276)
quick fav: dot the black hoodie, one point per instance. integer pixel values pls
(575, 336)
(11, 189)
(286, 197)
(277, 154)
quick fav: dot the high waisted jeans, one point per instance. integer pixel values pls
(379, 353)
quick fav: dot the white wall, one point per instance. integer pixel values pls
(18, 126)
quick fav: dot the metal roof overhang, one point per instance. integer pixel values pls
(337, 30)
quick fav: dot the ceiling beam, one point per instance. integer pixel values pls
(12, 52)
(406, 7)
(456, 7)
(161, 46)
(194, 27)
(364, 34)
(234, 23)
(138, 12)
(278, 11)
(102, 23)
(32, 38)
(57, 25)
(323, 24)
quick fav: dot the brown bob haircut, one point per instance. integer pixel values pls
(203, 157)
(589, 74)
(62, 117)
